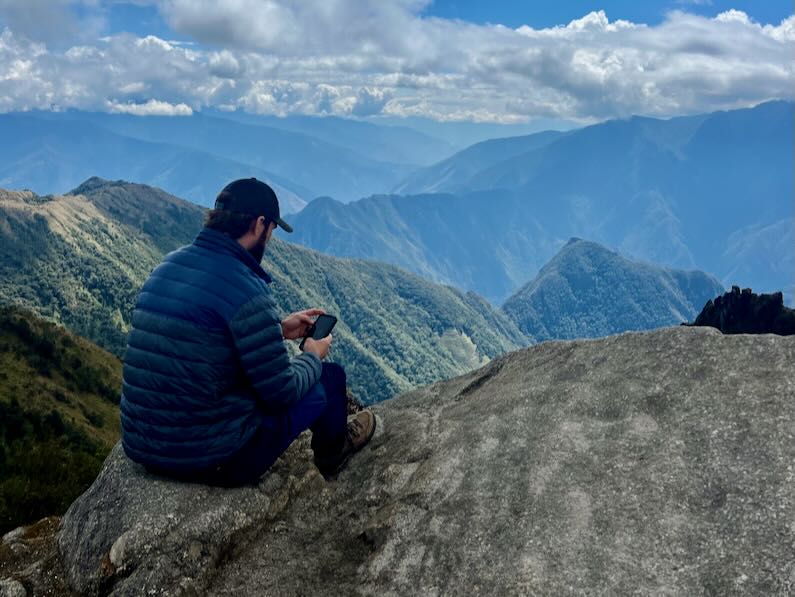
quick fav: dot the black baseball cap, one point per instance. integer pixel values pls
(251, 196)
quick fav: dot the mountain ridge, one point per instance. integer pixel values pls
(587, 290)
(689, 193)
(50, 155)
(81, 260)
(475, 157)
(311, 165)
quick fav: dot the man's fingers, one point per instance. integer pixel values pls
(313, 312)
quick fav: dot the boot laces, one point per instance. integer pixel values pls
(355, 428)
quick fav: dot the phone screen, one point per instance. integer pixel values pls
(323, 326)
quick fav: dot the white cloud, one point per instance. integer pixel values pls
(151, 108)
(365, 57)
(47, 20)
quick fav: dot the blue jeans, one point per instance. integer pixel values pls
(323, 409)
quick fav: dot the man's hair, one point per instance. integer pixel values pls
(230, 223)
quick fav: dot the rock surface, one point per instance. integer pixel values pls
(29, 562)
(12, 588)
(654, 463)
(134, 533)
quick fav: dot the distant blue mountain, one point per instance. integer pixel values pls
(490, 241)
(460, 172)
(462, 134)
(701, 192)
(589, 291)
(386, 143)
(320, 167)
(50, 154)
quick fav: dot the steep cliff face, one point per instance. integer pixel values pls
(656, 462)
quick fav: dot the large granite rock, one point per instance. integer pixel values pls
(133, 533)
(652, 463)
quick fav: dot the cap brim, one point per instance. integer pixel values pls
(284, 225)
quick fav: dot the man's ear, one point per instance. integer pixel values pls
(257, 226)
(271, 229)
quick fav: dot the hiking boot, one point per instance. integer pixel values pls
(361, 428)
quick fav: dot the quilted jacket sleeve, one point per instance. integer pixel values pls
(278, 380)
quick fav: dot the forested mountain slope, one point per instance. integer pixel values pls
(587, 291)
(81, 260)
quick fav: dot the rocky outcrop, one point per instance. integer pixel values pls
(650, 463)
(743, 312)
(134, 533)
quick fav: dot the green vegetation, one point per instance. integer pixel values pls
(58, 416)
(81, 260)
(395, 328)
(588, 291)
(67, 261)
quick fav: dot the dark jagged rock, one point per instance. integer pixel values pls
(743, 312)
(650, 463)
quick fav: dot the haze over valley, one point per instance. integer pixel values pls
(709, 192)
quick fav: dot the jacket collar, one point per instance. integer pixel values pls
(221, 243)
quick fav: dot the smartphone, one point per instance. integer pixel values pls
(320, 329)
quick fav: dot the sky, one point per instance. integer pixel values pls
(446, 60)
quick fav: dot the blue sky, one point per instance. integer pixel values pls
(449, 60)
(651, 12)
(146, 19)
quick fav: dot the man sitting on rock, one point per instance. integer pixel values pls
(209, 392)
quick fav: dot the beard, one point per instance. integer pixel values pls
(258, 250)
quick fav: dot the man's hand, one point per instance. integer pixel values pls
(318, 347)
(297, 324)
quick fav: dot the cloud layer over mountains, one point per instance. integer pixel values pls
(355, 57)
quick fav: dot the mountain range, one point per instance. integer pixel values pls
(52, 153)
(81, 259)
(589, 291)
(390, 143)
(711, 192)
(195, 156)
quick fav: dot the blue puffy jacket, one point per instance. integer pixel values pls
(205, 358)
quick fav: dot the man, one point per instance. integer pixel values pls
(209, 393)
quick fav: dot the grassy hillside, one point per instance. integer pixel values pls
(396, 330)
(68, 260)
(81, 260)
(58, 415)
